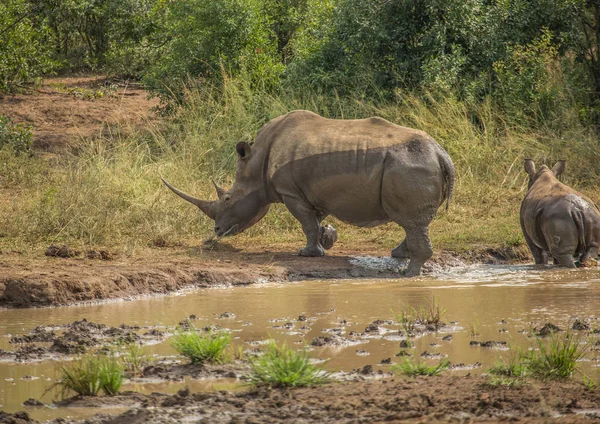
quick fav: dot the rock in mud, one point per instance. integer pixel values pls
(405, 344)
(99, 255)
(547, 330)
(385, 361)
(33, 402)
(580, 326)
(29, 353)
(489, 343)
(63, 251)
(447, 338)
(16, 418)
(227, 315)
(332, 340)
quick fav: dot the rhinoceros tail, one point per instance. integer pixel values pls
(448, 170)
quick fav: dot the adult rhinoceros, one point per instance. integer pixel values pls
(365, 172)
(558, 220)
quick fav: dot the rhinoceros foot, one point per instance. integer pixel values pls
(312, 251)
(328, 237)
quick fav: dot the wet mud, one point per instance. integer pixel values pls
(434, 399)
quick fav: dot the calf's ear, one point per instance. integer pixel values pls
(558, 168)
(529, 167)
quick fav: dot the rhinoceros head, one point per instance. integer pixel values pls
(556, 170)
(240, 207)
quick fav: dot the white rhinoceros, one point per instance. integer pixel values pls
(366, 172)
(558, 220)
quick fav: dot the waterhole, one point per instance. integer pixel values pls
(505, 305)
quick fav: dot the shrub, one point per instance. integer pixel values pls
(281, 366)
(199, 349)
(134, 359)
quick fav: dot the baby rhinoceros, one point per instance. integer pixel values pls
(557, 219)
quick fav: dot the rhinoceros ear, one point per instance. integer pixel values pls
(530, 167)
(243, 149)
(558, 168)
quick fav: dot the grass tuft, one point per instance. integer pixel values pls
(211, 347)
(281, 366)
(415, 367)
(557, 358)
(89, 375)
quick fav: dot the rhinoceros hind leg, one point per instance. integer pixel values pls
(419, 245)
(540, 256)
(309, 219)
(401, 251)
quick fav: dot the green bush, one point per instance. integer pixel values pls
(17, 137)
(281, 366)
(199, 349)
(556, 358)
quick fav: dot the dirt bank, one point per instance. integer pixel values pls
(52, 281)
(444, 398)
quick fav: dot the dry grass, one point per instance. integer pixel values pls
(108, 192)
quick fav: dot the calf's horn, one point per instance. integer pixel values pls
(205, 206)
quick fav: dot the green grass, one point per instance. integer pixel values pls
(89, 375)
(108, 193)
(281, 366)
(414, 367)
(556, 358)
(211, 347)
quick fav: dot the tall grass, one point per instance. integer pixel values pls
(108, 191)
(281, 366)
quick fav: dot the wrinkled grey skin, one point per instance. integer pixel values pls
(365, 172)
(556, 220)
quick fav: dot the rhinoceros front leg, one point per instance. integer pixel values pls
(309, 219)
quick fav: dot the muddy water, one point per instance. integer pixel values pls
(500, 303)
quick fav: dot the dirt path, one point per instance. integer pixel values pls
(63, 109)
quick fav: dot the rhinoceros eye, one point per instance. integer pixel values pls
(227, 198)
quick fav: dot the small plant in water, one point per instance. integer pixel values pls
(134, 359)
(431, 314)
(90, 374)
(207, 348)
(414, 367)
(474, 328)
(281, 366)
(407, 318)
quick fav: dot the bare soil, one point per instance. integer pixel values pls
(64, 109)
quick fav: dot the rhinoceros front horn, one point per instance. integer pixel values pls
(205, 206)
